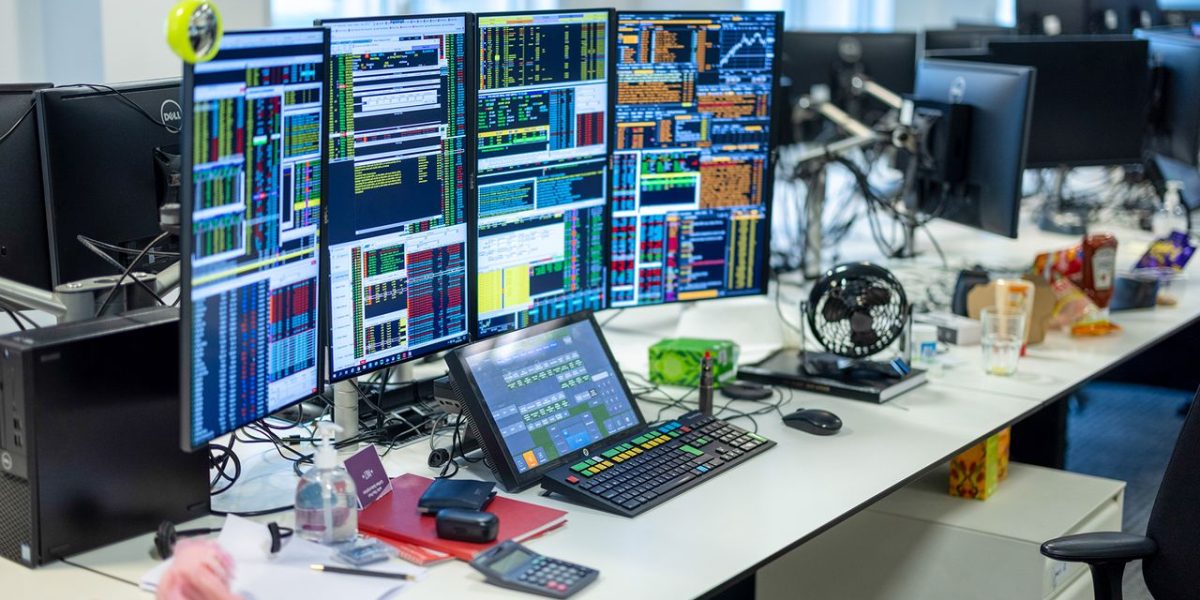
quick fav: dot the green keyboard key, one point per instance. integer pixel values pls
(611, 453)
(691, 450)
(579, 467)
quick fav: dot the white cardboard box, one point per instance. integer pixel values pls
(921, 543)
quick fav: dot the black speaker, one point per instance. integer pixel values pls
(89, 452)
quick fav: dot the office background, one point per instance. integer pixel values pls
(58, 40)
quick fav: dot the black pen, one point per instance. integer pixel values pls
(363, 572)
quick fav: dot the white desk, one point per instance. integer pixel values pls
(728, 527)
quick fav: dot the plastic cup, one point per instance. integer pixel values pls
(1003, 336)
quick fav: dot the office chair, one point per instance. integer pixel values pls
(1170, 550)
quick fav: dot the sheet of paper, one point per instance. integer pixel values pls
(287, 575)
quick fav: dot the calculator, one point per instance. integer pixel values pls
(516, 567)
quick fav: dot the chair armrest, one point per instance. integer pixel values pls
(1100, 547)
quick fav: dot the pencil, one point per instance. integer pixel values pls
(363, 572)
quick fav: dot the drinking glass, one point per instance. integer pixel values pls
(1003, 335)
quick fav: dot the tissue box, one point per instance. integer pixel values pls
(977, 472)
(676, 361)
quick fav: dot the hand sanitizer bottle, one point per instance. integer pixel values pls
(326, 502)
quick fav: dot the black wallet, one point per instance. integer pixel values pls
(456, 493)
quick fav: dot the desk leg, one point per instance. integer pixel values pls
(1041, 439)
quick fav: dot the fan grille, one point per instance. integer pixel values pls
(857, 310)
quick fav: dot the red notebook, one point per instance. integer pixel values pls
(395, 517)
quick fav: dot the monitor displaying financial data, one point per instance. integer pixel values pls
(543, 122)
(251, 215)
(692, 166)
(398, 188)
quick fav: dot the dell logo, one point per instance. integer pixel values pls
(958, 89)
(6, 461)
(585, 451)
(171, 115)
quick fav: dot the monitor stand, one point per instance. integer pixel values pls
(1060, 214)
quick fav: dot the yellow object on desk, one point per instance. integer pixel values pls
(977, 472)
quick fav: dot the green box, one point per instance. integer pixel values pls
(676, 361)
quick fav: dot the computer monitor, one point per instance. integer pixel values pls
(24, 249)
(399, 189)
(1092, 97)
(99, 169)
(1175, 130)
(961, 38)
(1052, 17)
(1001, 101)
(833, 58)
(693, 169)
(251, 209)
(545, 132)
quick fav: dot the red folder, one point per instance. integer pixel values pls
(395, 517)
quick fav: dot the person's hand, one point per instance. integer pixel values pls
(200, 570)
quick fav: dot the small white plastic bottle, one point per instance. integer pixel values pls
(1170, 216)
(326, 501)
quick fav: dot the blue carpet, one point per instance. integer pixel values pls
(1126, 432)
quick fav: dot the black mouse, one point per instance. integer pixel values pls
(814, 421)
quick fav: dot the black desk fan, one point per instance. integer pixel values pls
(855, 311)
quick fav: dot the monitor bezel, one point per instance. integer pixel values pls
(610, 143)
(764, 268)
(187, 100)
(470, 35)
(475, 406)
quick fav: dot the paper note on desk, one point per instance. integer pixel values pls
(286, 576)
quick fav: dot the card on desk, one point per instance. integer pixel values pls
(395, 517)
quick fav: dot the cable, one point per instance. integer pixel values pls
(91, 245)
(121, 95)
(15, 312)
(13, 316)
(113, 290)
(252, 513)
(21, 119)
(121, 250)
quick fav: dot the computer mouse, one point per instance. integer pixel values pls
(745, 390)
(814, 421)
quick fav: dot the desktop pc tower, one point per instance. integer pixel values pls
(90, 448)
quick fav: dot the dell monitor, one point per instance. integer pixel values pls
(1001, 101)
(250, 228)
(399, 101)
(101, 149)
(1091, 102)
(544, 122)
(692, 170)
(24, 250)
(833, 59)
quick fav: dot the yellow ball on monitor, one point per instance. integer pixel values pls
(193, 30)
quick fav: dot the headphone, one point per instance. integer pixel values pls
(167, 535)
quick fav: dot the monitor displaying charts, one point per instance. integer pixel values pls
(543, 122)
(692, 169)
(251, 207)
(398, 189)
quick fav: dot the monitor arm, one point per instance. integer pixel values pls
(22, 297)
(78, 300)
(810, 168)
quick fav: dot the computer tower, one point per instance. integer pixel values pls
(90, 448)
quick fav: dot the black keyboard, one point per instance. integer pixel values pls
(657, 464)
